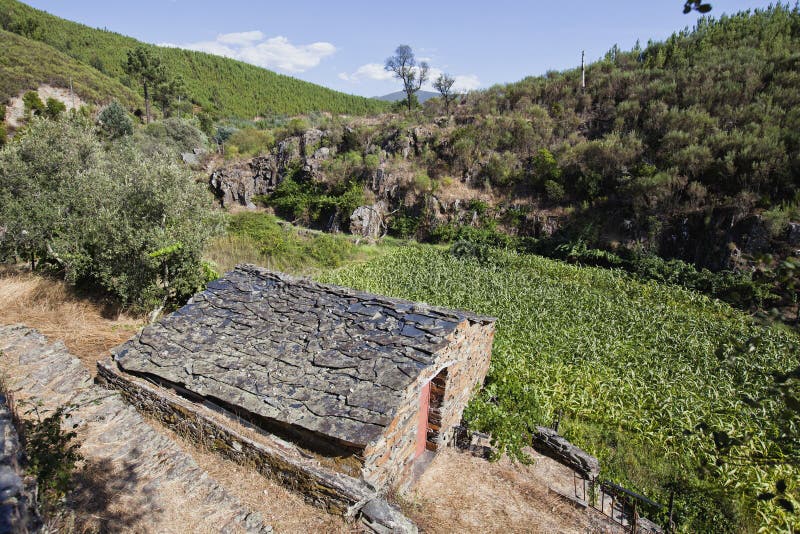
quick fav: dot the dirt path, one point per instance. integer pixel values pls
(134, 479)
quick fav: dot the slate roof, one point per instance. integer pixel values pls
(325, 358)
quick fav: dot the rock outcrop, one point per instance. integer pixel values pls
(238, 183)
(368, 221)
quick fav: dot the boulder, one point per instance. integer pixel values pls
(310, 140)
(367, 221)
(190, 158)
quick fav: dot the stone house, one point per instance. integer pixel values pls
(364, 383)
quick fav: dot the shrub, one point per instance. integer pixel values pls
(33, 104)
(114, 121)
(3, 135)
(251, 142)
(501, 169)
(170, 137)
(554, 191)
(54, 108)
(423, 182)
(404, 225)
(545, 167)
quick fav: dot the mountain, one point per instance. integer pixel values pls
(223, 86)
(422, 96)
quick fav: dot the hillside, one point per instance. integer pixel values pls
(25, 64)
(227, 87)
(686, 149)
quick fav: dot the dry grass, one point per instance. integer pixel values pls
(461, 493)
(88, 328)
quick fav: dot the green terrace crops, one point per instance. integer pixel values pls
(664, 385)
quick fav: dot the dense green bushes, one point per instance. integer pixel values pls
(109, 218)
(314, 203)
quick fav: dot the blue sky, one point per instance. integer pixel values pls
(343, 44)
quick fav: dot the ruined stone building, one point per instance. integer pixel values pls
(367, 383)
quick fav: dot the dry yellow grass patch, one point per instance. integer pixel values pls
(461, 493)
(88, 328)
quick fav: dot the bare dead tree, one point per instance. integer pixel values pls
(404, 66)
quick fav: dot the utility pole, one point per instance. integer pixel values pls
(583, 71)
(71, 93)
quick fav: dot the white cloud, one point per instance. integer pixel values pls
(240, 38)
(463, 82)
(466, 82)
(273, 53)
(370, 71)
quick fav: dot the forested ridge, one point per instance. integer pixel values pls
(222, 86)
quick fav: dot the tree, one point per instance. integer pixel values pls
(168, 91)
(148, 70)
(109, 217)
(444, 84)
(114, 121)
(697, 5)
(404, 66)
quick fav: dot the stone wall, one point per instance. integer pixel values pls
(459, 367)
(275, 458)
(18, 511)
(472, 353)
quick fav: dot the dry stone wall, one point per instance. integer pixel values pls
(275, 458)
(18, 511)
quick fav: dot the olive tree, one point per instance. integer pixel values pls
(111, 218)
(403, 64)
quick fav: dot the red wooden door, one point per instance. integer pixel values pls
(422, 419)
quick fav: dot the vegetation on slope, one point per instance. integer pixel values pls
(670, 389)
(260, 239)
(685, 149)
(223, 86)
(25, 64)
